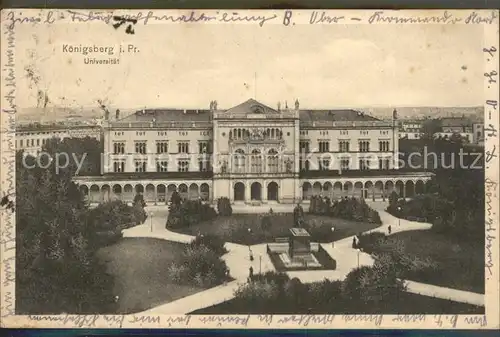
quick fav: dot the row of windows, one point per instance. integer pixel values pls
(269, 133)
(161, 147)
(162, 133)
(32, 142)
(256, 163)
(345, 164)
(343, 132)
(364, 146)
(161, 166)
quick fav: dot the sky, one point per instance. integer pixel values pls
(324, 66)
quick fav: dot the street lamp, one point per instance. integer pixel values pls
(151, 220)
(399, 214)
(358, 255)
(250, 249)
(333, 240)
(260, 264)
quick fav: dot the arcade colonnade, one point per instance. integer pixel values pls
(252, 190)
(154, 192)
(364, 188)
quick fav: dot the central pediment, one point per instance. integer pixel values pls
(251, 107)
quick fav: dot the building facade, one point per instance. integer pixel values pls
(31, 138)
(410, 129)
(250, 153)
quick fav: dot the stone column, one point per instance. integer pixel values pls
(248, 191)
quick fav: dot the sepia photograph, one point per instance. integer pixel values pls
(305, 164)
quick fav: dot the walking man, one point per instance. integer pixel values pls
(250, 274)
(389, 229)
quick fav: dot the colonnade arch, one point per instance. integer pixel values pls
(378, 189)
(153, 192)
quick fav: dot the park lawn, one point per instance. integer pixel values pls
(460, 264)
(234, 228)
(140, 267)
(405, 303)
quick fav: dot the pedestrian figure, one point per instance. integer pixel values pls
(227, 276)
(250, 274)
(389, 229)
(251, 253)
(353, 242)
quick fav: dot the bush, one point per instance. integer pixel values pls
(224, 206)
(212, 242)
(369, 242)
(349, 209)
(107, 238)
(200, 260)
(188, 213)
(265, 223)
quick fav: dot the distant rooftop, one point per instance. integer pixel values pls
(250, 106)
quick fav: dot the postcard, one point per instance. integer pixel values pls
(250, 169)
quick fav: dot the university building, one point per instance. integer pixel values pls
(31, 138)
(250, 153)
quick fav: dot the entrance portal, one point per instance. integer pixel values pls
(272, 191)
(239, 192)
(256, 190)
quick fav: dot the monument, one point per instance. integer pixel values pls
(297, 252)
(300, 243)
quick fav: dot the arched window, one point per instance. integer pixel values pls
(239, 161)
(256, 161)
(272, 161)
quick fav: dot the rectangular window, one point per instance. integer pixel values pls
(118, 148)
(344, 164)
(304, 147)
(383, 146)
(161, 147)
(21, 143)
(203, 147)
(183, 166)
(324, 146)
(343, 146)
(119, 166)
(364, 164)
(384, 164)
(140, 166)
(203, 165)
(38, 142)
(324, 165)
(140, 147)
(183, 147)
(364, 146)
(162, 166)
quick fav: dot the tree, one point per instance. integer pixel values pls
(86, 151)
(429, 128)
(224, 206)
(56, 268)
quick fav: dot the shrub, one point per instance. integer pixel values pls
(200, 260)
(369, 242)
(224, 206)
(107, 238)
(260, 292)
(371, 285)
(188, 213)
(349, 209)
(265, 223)
(212, 242)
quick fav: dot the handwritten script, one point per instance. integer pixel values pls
(8, 149)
